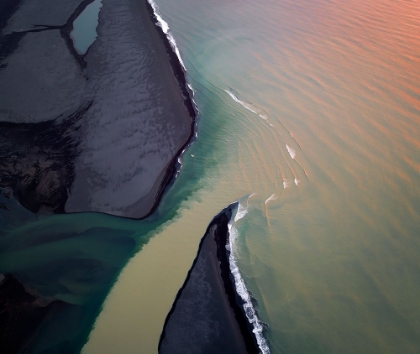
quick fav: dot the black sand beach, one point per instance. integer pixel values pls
(137, 112)
(100, 132)
(206, 316)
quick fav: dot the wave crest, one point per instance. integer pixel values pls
(240, 286)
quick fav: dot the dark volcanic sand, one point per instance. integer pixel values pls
(100, 133)
(139, 114)
(206, 317)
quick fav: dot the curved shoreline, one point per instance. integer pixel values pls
(227, 315)
(176, 65)
(180, 75)
(170, 76)
(162, 176)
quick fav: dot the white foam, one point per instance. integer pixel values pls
(165, 28)
(263, 116)
(191, 88)
(249, 107)
(241, 288)
(246, 105)
(291, 151)
(285, 184)
(242, 211)
(271, 197)
(242, 103)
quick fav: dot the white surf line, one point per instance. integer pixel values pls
(290, 133)
(304, 171)
(292, 152)
(242, 103)
(191, 88)
(239, 282)
(165, 28)
(263, 116)
(294, 139)
(286, 181)
(243, 209)
(249, 107)
(267, 216)
(271, 197)
(295, 180)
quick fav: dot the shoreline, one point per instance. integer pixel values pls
(155, 112)
(157, 120)
(171, 171)
(159, 101)
(180, 75)
(222, 310)
(178, 70)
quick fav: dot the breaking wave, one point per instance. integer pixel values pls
(271, 197)
(240, 287)
(165, 28)
(291, 151)
(249, 107)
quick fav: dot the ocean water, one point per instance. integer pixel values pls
(313, 108)
(310, 115)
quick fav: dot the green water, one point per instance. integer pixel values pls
(327, 137)
(84, 27)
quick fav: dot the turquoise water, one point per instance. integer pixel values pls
(311, 107)
(84, 27)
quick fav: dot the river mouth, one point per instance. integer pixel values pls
(300, 106)
(85, 26)
(312, 111)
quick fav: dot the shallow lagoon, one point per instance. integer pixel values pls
(84, 27)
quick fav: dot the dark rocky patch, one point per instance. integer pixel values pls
(20, 315)
(37, 161)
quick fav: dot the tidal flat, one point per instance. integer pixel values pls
(89, 135)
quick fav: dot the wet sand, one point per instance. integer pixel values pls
(206, 316)
(129, 65)
(140, 114)
(100, 132)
